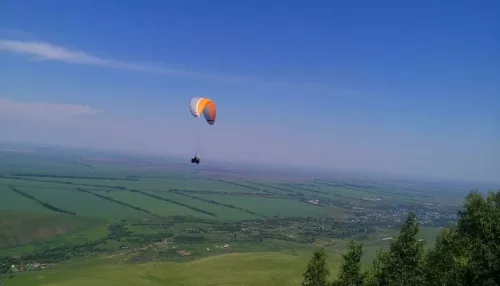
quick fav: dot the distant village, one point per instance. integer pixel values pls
(30, 266)
(428, 213)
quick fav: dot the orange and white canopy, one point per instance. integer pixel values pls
(205, 106)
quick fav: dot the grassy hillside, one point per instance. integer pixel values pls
(238, 268)
(230, 269)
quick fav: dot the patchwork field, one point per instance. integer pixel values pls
(200, 194)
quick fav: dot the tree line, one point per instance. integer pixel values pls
(235, 184)
(468, 253)
(219, 204)
(224, 193)
(302, 188)
(303, 197)
(269, 186)
(63, 182)
(53, 253)
(42, 203)
(174, 202)
(116, 201)
(73, 177)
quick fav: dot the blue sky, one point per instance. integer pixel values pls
(393, 86)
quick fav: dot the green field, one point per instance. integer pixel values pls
(14, 202)
(270, 207)
(114, 220)
(82, 203)
(17, 229)
(221, 212)
(156, 206)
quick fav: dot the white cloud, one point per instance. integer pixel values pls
(48, 51)
(42, 110)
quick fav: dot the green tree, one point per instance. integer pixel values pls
(479, 224)
(404, 264)
(447, 262)
(350, 271)
(317, 272)
(374, 275)
(466, 254)
(470, 252)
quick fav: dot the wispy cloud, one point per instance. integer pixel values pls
(42, 110)
(47, 51)
(50, 52)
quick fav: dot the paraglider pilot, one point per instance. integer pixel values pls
(196, 159)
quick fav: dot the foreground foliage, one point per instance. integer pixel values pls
(350, 271)
(316, 273)
(465, 254)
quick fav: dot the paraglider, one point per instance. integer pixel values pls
(207, 107)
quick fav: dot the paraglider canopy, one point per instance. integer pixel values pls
(205, 106)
